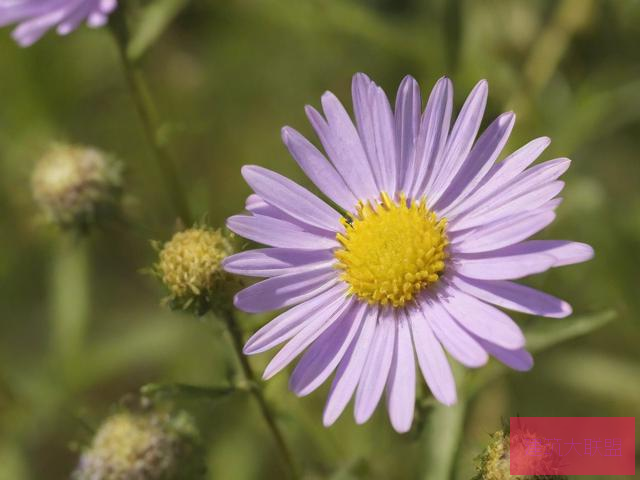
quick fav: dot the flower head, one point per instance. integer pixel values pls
(430, 235)
(143, 446)
(36, 17)
(77, 186)
(189, 265)
(495, 461)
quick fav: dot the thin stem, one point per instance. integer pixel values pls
(265, 410)
(552, 43)
(442, 433)
(174, 390)
(147, 112)
(70, 298)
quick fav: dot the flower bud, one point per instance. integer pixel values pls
(189, 265)
(77, 187)
(143, 446)
(495, 462)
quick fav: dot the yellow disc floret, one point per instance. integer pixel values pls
(391, 251)
(190, 267)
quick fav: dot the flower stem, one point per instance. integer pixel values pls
(236, 340)
(179, 390)
(70, 299)
(442, 433)
(148, 114)
(552, 43)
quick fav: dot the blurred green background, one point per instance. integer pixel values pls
(81, 327)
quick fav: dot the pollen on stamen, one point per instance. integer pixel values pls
(391, 250)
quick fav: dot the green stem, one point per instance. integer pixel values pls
(236, 340)
(442, 437)
(443, 431)
(148, 114)
(70, 292)
(569, 17)
(174, 390)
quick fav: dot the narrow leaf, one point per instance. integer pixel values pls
(546, 333)
(153, 21)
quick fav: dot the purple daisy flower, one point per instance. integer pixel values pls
(434, 231)
(36, 17)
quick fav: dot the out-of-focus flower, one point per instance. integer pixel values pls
(77, 187)
(143, 446)
(190, 267)
(434, 232)
(36, 17)
(495, 461)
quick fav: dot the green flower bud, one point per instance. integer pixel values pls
(190, 267)
(494, 462)
(77, 187)
(143, 446)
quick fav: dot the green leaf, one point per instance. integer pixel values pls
(443, 432)
(546, 333)
(153, 21)
(404, 39)
(356, 469)
(542, 334)
(599, 375)
(181, 390)
(150, 342)
(13, 461)
(442, 436)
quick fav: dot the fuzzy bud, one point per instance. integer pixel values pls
(143, 446)
(189, 265)
(495, 462)
(77, 187)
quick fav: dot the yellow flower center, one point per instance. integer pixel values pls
(190, 262)
(391, 251)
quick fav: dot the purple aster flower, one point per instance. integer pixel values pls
(36, 17)
(432, 233)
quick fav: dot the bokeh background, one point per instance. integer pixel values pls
(81, 328)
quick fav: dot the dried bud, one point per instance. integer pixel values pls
(77, 187)
(143, 446)
(189, 265)
(495, 462)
